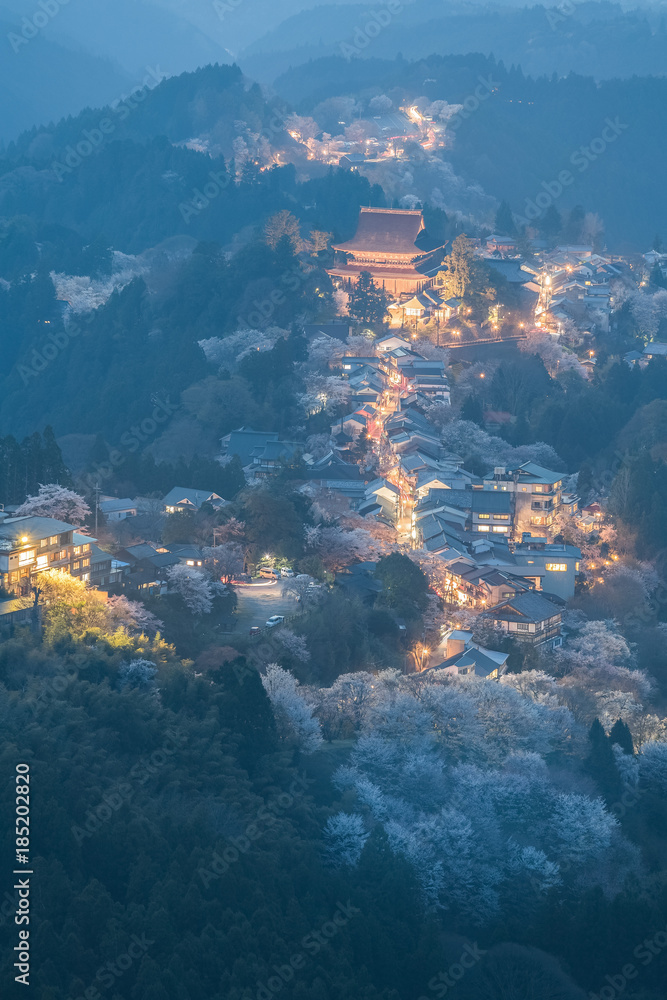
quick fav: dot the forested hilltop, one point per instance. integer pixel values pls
(602, 40)
(527, 131)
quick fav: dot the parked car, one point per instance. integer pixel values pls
(255, 630)
(275, 620)
(269, 574)
(287, 573)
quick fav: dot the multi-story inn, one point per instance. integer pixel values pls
(30, 545)
(537, 494)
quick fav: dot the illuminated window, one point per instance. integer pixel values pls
(484, 517)
(501, 517)
(500, 528)
(538, 489)
(86, 547)
(53, 540)
(556, 567)
(42, 562)
(85, 562)
(482, 527)
(43, 543)
(576, 566)
(25, 558)
(77, 550)
(190, 562)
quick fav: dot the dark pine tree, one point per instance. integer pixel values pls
(472, 410)
(600, 761)
(504, 225)
(621, 735)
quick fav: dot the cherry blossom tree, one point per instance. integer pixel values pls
(55, 501)
(294, 644)
(133, 616)
(139, 673)
(225, 561)
(455, 771)
(345, 837)
(191, 584)
(653, 766)
(228, 352)
(294, 718)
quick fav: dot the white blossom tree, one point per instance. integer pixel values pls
(294, 719)
(193, 587)
(228, 352)
(345, 837)
(294, 644)
(139, 673)
(224, 561)
(455, 771)
(55, 501)
(653, 766)
(133, 616)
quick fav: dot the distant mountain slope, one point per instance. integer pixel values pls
(42, 82)
(594, 39)
(89, 53)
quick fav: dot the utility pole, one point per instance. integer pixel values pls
(97, 502)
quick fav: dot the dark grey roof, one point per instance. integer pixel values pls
(528, 605)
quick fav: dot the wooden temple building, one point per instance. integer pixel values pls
(393, 245)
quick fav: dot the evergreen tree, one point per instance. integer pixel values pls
(458, 276)
(600, 761)
(368, 303)
(472, 409)
(504, 224)
(551, 223)
(574, 227)
(621, 735)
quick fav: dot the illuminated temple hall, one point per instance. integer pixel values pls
(394, 246)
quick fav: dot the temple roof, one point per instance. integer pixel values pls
(385, 230)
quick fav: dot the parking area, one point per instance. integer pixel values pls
(259, 600)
